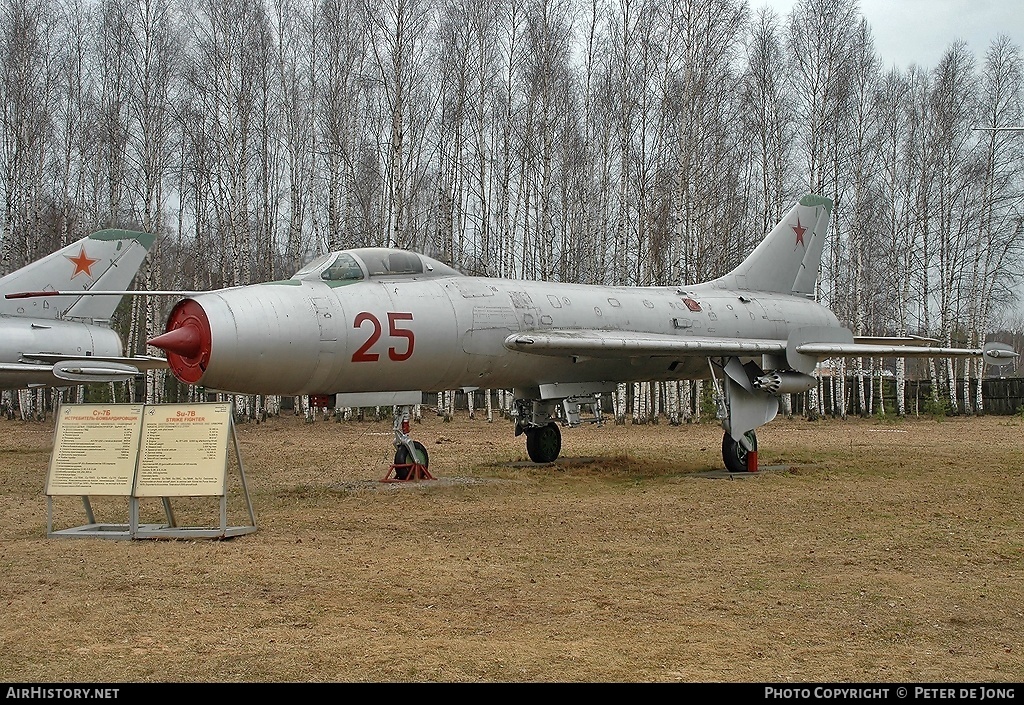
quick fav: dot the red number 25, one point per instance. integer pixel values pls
(364, 355)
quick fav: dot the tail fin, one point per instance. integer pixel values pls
(105, 260)
(787, 260)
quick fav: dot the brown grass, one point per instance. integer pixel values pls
(862, 551)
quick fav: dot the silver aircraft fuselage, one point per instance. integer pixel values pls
(378, 326)
(442, 332)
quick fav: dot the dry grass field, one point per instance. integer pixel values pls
(862, 551)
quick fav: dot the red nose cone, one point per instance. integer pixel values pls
(181, 341)
(187, 341)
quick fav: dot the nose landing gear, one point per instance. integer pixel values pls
(411, 458)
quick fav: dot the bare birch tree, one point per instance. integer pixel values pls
(767, 118)
(151, 146)
(342, 188)
(861, 210)
(899, 167)
(27, 93)
(820, 52)
(400, 29)
(953, 103)
(998, 242)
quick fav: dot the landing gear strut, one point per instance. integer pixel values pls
(411, 458)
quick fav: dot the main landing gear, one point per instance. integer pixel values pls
(544, 443)
(411, 458)
(736, 457)
(536, 419)
(741, 405)
(543, 438)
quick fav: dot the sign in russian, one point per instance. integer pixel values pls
(184, 450)
(95, 450)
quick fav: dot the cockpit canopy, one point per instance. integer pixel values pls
(349, 266)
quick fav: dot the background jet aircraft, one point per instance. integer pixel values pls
(60, 335)
(381, 326)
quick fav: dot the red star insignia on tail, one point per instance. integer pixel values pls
(799, 233)
(83, 263)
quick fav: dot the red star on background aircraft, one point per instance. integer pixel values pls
(799, 233)
(82, 262)
(66, 338)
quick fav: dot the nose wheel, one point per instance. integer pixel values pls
(412, 466)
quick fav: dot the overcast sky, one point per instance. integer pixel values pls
(919, 31)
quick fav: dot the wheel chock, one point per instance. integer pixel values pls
(412, 472)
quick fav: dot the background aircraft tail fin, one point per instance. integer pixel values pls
(787, 260)
(105, 260)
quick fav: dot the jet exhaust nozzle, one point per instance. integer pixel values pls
(784, 382)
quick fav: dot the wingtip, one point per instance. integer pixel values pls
(998, 354)
(30, 294)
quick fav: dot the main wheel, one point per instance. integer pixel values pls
(402, 458)
(544, 443)
(734, 454)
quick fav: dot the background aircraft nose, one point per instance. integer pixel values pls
(187, 341)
